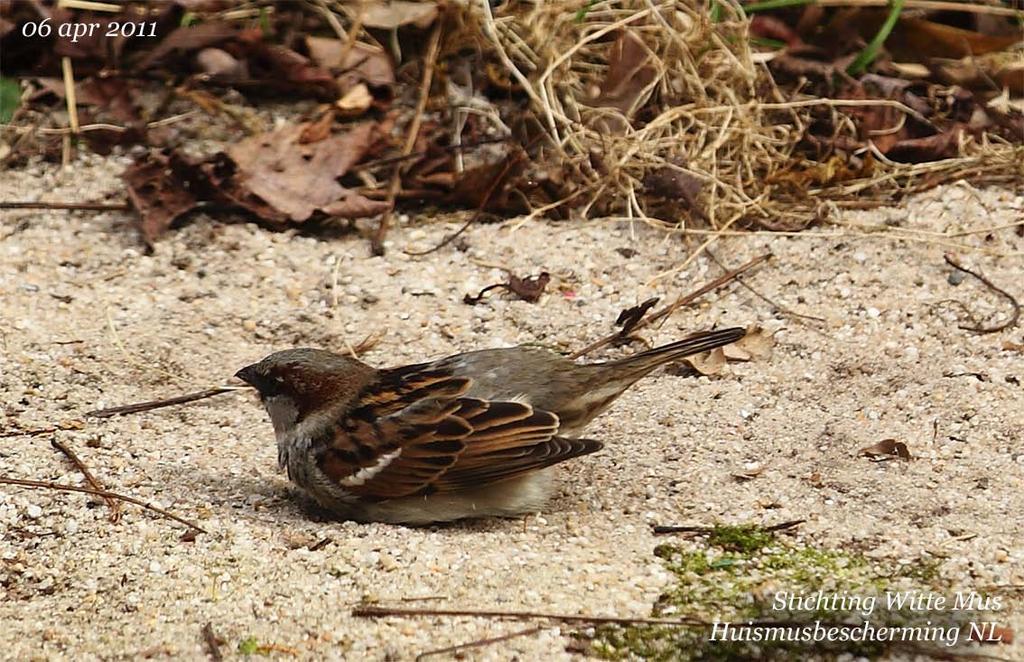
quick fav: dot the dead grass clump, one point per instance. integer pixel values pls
(657, 112)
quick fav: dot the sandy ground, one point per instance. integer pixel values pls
(88, 320)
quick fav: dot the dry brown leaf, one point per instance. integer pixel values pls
(629, 317)
(1005, 70)
(219, 175)
(299, 179)
(886, 449)
(354, 205)
(678, 185)
(751, 470)
(755, 345)
(734, 353)
(488, 184)
(219, 63)
(770, 27)
(529, 288)
(356, 101)
(317, 130)
(787, 66)
(943, 145)
(391, 15)
(629, 74)
(159, 193)
(910, 69)
(190, 38)
(707, 363)
(919, 39)
(282, 69)
(326, 52)
(360, 63)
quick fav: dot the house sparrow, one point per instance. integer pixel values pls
(469, 435)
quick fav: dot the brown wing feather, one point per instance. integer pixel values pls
(508, 440)
(412, 434)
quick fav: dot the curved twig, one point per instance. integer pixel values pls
(951, 261)
(106, 494)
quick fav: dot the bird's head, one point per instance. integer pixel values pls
(305, 380)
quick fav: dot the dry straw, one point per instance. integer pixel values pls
(711, 111)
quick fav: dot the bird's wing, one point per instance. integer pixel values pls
(413, 433)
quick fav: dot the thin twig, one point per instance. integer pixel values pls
(951, 261)
(376, 163)
(762, 297)
(212, 643)
(932, 5)
(27, 433)
(137, 407)
(373, 611)
(46, 485)
(477, 213)
(479, 643)
(112, 503)
(72, 206)
(35, 432)
(661, 528)
(69, 92)
(678, 303)
(91, 5)
(377, 245)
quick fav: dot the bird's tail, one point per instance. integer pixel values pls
(638, 365)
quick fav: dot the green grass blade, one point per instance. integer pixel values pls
(581, 14)
(870, 52)
(10, 97)
(716, 11)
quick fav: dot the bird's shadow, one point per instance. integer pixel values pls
(260, 497)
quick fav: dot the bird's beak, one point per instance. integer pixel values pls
(248, 375)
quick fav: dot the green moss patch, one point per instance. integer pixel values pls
(779, 599)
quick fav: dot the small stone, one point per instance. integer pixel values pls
(955, 277)
(32, 511)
